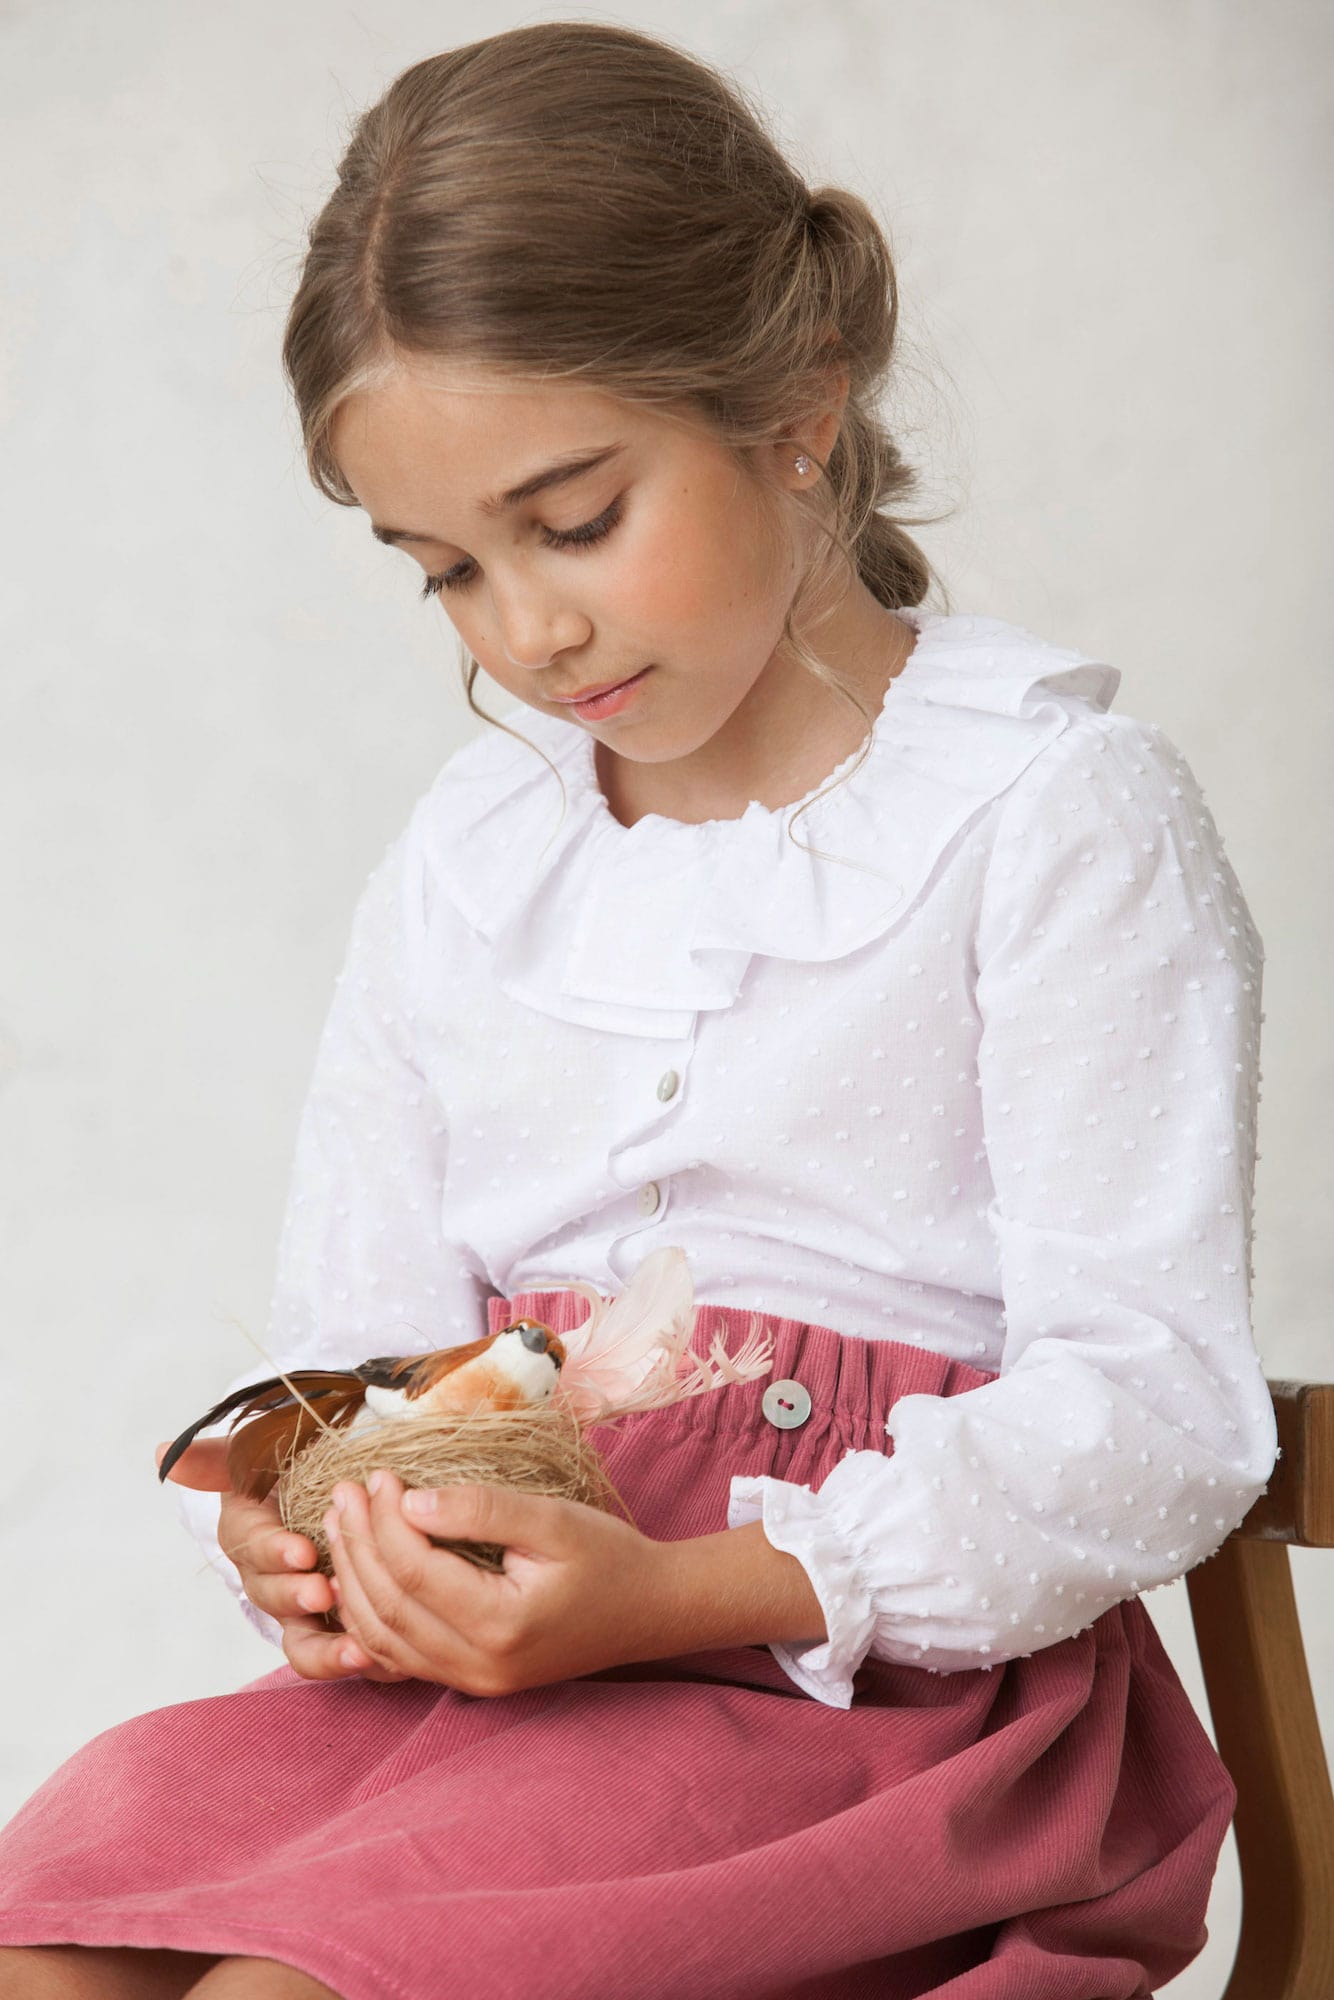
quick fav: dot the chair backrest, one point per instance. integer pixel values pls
(1264, 1716)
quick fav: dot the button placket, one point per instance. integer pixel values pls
(651, 1196)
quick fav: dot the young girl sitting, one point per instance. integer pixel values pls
(858, 949)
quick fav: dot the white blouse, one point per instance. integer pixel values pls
(980, 1075)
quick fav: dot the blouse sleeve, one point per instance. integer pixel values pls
(363, 1263)
(1129, 1428)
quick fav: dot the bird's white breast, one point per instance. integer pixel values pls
(535, 1375)
(380, 1404)
(507, 1360)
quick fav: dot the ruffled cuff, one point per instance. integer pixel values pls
(199, 1511)
(795, 1521)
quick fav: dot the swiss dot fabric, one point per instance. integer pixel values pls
(991, 1089)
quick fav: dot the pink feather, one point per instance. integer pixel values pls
(633, 1352)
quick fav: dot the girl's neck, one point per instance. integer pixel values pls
(783, 740)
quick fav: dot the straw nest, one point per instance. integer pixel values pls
(539, 1450)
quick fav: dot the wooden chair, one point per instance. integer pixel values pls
(1264, 1717)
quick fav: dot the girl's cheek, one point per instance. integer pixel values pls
(676, 583)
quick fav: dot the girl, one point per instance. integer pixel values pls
(857, 948)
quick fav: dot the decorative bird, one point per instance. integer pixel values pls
(516, 1368)
(631, 1353)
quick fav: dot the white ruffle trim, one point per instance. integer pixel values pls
(796, 1521)
(636, 929)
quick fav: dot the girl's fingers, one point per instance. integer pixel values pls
(252, 1534)
(277, 1567)
(456, 1591)
(284, 1593)
(289, 1596)
(320, 1655)
(390, 1625)
(316, 1653)
(280, 1549)
(370, 1609)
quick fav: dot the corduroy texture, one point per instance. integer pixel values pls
(686, 1829)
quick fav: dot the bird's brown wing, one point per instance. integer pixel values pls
(258, 1450)
(414, 1374)
(320, 1386)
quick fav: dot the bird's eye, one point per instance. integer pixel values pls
(535, 1337)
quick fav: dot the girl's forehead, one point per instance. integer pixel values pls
(480, 433)
(486, 407)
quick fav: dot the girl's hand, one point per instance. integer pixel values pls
(580, 1589)
(277, 1570)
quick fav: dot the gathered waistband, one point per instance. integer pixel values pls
(851, 1381)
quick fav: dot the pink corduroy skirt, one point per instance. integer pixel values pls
(695, 1828)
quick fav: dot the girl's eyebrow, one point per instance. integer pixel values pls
(558, 473)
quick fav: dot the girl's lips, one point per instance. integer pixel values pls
(593, 707)
(587, 695)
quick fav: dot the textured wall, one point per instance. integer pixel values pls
(220, 698)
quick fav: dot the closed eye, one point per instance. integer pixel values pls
(582, 537)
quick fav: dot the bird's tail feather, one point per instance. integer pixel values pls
(256, 1399)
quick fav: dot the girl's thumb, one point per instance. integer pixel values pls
(202, 1465)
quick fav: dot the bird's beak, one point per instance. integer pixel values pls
(539, 1339)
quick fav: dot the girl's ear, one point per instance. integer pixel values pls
(827, 420)
(816, 430)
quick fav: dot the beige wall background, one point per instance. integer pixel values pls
(220, 699)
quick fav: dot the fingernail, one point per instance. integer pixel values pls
(330, 1526)
(295, 1559)
(339, 1498)
(350, 1657)
(309, 1596)
(418, 1502)
(375, 1482)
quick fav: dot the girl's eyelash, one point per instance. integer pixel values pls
(583, 536)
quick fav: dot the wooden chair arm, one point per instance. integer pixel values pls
(1299, 1505)
(1265, 1722)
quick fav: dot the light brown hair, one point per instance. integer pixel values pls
(577, 201)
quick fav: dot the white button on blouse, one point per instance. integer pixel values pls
(974, 1051)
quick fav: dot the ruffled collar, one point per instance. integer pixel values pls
(637, 928)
